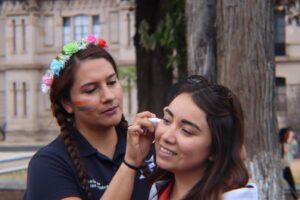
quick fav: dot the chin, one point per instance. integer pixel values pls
(115, 120)
(163, 165)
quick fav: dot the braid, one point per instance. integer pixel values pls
(66, 128)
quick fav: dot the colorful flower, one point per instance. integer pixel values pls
(68, 50)
(47, 80)
(71, 48)
(102, 43)
(91, 39)
(56, 66)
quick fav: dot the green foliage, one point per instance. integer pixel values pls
(127, 72)
(169, 34)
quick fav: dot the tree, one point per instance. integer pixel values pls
(239, 33)
(160, 46)
(201, 38)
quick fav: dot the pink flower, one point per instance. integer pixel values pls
(91, 39)
(102, 43)
(47, 80)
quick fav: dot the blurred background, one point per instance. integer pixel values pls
(33, 32)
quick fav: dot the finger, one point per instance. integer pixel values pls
(145, 114)
(134, 129)
(145, 124)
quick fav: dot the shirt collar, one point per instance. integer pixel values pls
(86, 149)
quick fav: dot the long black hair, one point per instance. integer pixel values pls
(225, 119)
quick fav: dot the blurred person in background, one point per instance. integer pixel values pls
(286, 138)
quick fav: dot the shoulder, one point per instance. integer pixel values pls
(249, 192)
(52, 154)
(51, 166)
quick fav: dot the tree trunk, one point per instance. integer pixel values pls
(153, 77)
(201, 40)
(245, 63)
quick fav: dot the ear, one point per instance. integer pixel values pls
(67, 106)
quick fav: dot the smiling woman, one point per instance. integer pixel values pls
(199, 145)
(86, 160)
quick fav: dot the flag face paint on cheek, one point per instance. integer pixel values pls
(82, 105)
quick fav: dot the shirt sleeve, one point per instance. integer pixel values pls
(50, 177)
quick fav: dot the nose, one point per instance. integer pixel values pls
(169, 134)
(107, 94)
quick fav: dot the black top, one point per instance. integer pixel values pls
(52, 174)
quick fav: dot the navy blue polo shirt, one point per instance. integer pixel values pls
(52, 174)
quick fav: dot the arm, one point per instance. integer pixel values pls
(120, 187)
(137, 148)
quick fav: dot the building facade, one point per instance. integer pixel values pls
(33, 32)
(287, 51)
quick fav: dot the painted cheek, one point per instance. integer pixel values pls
(82, 105)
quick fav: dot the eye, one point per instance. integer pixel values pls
(187, 132)
(112, 82)
(166, 121)
(90, 91)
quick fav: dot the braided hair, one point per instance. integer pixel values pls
(60, 91)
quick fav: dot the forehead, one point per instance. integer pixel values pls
(93, 69)
(184, 107)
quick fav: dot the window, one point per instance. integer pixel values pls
(66, 30)
(15, 99)
(14, 35)
(96, 26)
(81, 26)
(279, 27)
(24, 91)
(23, 35)
(281, 94)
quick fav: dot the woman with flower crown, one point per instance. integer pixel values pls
(90, 158)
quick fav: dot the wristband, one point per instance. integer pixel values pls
(131, 166)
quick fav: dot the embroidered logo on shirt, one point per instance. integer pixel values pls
(95, 184)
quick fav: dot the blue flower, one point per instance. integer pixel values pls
(56, 66)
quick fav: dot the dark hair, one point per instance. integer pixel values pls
(283, 137)
(60, 91)
(225, 119)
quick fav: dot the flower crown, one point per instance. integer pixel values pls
(69, 49)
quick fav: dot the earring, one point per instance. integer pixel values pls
(70, 120)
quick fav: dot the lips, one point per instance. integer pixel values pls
(110, 110)
(167, 152)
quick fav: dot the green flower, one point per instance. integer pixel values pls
(71, 48)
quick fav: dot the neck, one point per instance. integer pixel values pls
(184, 182)
(102, 139)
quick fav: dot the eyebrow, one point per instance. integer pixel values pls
(184, 121)
(92, 83)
